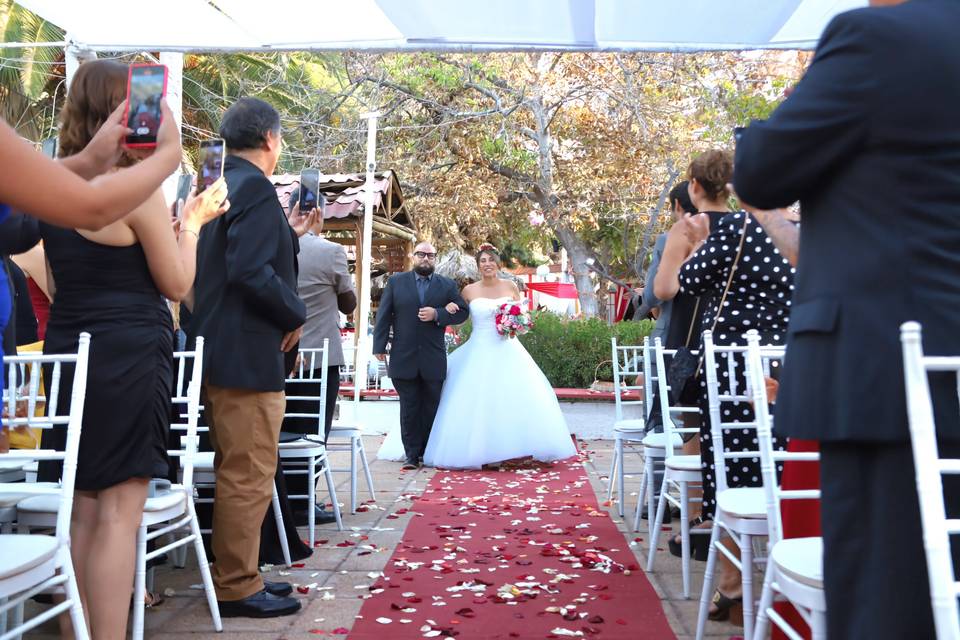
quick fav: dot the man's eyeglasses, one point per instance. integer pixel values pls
(424, 254)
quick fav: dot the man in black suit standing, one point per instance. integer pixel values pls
(869, 143)
(247, 309)
(413, 306)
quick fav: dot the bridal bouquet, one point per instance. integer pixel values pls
(512, 321)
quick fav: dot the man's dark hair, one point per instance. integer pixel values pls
(680, 194)
(246, 123)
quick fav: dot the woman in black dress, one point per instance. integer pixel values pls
(110, 283)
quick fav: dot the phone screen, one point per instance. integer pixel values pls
(147, 84)
(184, 185)
(211, 163)
(309, 190)
(49, 147)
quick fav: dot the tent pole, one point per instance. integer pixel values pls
(73, 57)
(364, 343)
(174, 64)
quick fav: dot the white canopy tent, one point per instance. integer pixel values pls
(174, 27)
(451, 25)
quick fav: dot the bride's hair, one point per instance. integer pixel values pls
(490, 250)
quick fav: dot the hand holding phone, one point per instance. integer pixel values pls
(211, 160)
(146, 89)
(309, 191)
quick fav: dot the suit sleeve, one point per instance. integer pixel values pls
(649, 300)
(823, 123)
(445, 318)
(252, 239)
(381, 330)
(342, 281)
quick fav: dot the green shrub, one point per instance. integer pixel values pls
(574, 353)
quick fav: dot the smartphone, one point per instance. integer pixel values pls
(184, 187)
(146, 87)
(49, 147)
(211, 162)
(309, 190)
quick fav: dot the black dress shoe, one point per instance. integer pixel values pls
(262, 604)
(322, 516)
(279, 589)
(410, 464)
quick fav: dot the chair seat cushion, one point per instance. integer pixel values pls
(630, 425)
(40, 504)
(743, 502)
(801, 559)
(684, 463)
(202, 461)
(165, 500)
(11, 493)
(24, 552)
(659, 441)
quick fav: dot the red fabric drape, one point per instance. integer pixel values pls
(801, 518)
(555, 289)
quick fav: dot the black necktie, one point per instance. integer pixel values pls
(422, 284)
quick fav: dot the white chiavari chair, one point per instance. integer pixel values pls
(31, 564)
(740, 511)
(680, 471)
(794, 566)
(308, 455)
(628, 432)
(929, 467)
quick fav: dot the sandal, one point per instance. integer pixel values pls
(699, 544)
(724, 605)
(150, 599)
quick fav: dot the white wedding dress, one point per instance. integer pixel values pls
(496, 404)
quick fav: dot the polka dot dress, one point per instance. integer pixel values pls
(759, 298)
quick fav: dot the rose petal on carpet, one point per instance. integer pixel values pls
(523, 552)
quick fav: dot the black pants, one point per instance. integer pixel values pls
(419, 400)
(309, 426)
(875, 570)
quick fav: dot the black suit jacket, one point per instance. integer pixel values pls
(246, 287)
(417, 347)
(869, 143)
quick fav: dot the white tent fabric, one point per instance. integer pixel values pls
(450, 25)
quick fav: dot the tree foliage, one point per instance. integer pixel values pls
(531, 151)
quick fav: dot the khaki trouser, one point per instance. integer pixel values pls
(244, 430)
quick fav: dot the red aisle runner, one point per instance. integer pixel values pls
(520, 553)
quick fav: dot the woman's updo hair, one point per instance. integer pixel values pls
(488, 249)
(712, 170)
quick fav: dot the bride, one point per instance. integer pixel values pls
(496, 404)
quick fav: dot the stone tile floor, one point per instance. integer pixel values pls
(343, 572)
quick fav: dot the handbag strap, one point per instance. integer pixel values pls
(726, 289)
(733, 269)
(693, 321)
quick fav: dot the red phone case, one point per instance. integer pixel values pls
(126, 112)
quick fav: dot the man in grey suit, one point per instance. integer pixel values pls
(326, 287)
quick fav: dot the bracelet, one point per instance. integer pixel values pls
(195, 234)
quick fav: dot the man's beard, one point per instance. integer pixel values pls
(423, 270)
